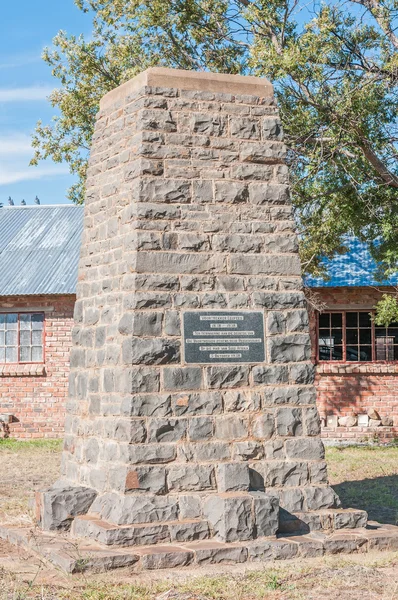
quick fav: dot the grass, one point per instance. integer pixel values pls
(364, 477)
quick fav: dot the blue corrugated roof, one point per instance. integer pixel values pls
(39, 249)
(356, 268)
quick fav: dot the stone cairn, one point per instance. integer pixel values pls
(171, 448)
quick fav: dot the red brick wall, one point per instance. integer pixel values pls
(353, 388)
(36, 394)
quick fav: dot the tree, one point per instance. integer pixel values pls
(334, 68)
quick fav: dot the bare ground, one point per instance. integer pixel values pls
(364, 478)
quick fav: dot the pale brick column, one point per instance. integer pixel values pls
(188, 209)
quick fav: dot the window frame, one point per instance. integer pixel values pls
(344, 341)
(27, 312)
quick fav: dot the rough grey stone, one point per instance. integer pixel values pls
(231, 427)
(144, 323)
(207, 403)
(186, 478)
(147, 453)
(233, 477)
(289, 395)
(248, 450)
(205, 452)
(230, 192)
(235, 401)
(58, 505)
(289, 422)
(132, 431)
(200, 428)
(266, 514)
(169, 558)
(269, 375)
(244, 128)
(278, 473)
(291, 499)
(321, 497)
(146, 479)
(312, 422)
(167, 430)
(227, 377)
(215, 554)
(190, 507)
(296, 320)
(172, 324)
(182, 378)
(264, 426)
(306, 449)
(137, 508)
(165, 190)
(318, 472)
(230, 516)
(302, 373)
(146, 405)
(276, 323)
(189, 532)
(157, 351)
(271, 128)
(289, 348)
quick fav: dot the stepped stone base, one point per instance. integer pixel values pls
(76, 555)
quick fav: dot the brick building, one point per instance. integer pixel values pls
(356, 362)
(39, 250)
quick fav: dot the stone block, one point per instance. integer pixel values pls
(182, 378)
(231, 427)
(318, 497)
(146, 479)
(57, 506)
(289, 422)
(146, 405)
(230, 516)
(190, 507)
(200, 429)
(198, 403)
(266, 514)
(270, 375)
(305, 449)
(186, 478)
(147, 453)
(217, 553)
(248, 450)
(233, 477)
(227, 377)
(235, 401)
(189, 531)
(147, 351)
(166, 557)
(312, 422)
(167, 430)
(172, 324)
(263, 426)
(289, 348)
(137, 508)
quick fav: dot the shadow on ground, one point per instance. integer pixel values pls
(378, 496)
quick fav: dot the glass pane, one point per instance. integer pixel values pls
(11, 338)
(11, 355)
(324, 337)
(384, 349)
(11, 321)
(24, 337)
(324, 320)
(37, 321)
(365, 336)
(2, 338)
(380, 332)
(37, 354)
(393, 333)
(337, 320)
(351, 319)
(2, 354)
(24, 321)
(25, 354)
(365, 320)
(2, 321)
(337, 336)
(337, 353)
(365, 353)
(352, 336)
(324, 353)
(352, 353)
(37, 338)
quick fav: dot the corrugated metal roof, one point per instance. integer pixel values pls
(39, 249)
(356, 268)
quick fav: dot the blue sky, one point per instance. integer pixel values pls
(25, 81)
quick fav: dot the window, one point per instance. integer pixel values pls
(21, 337)
(351, 336)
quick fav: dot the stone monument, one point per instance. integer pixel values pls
(192, 427)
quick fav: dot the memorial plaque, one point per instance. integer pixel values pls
(224, 337)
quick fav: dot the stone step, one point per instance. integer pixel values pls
(143, 534)
(331, 519)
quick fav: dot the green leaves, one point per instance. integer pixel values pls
(335, 78)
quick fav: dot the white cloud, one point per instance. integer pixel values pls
(10, 175)
(16, 144)
(25, 94)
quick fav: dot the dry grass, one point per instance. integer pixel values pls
(364, 477)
